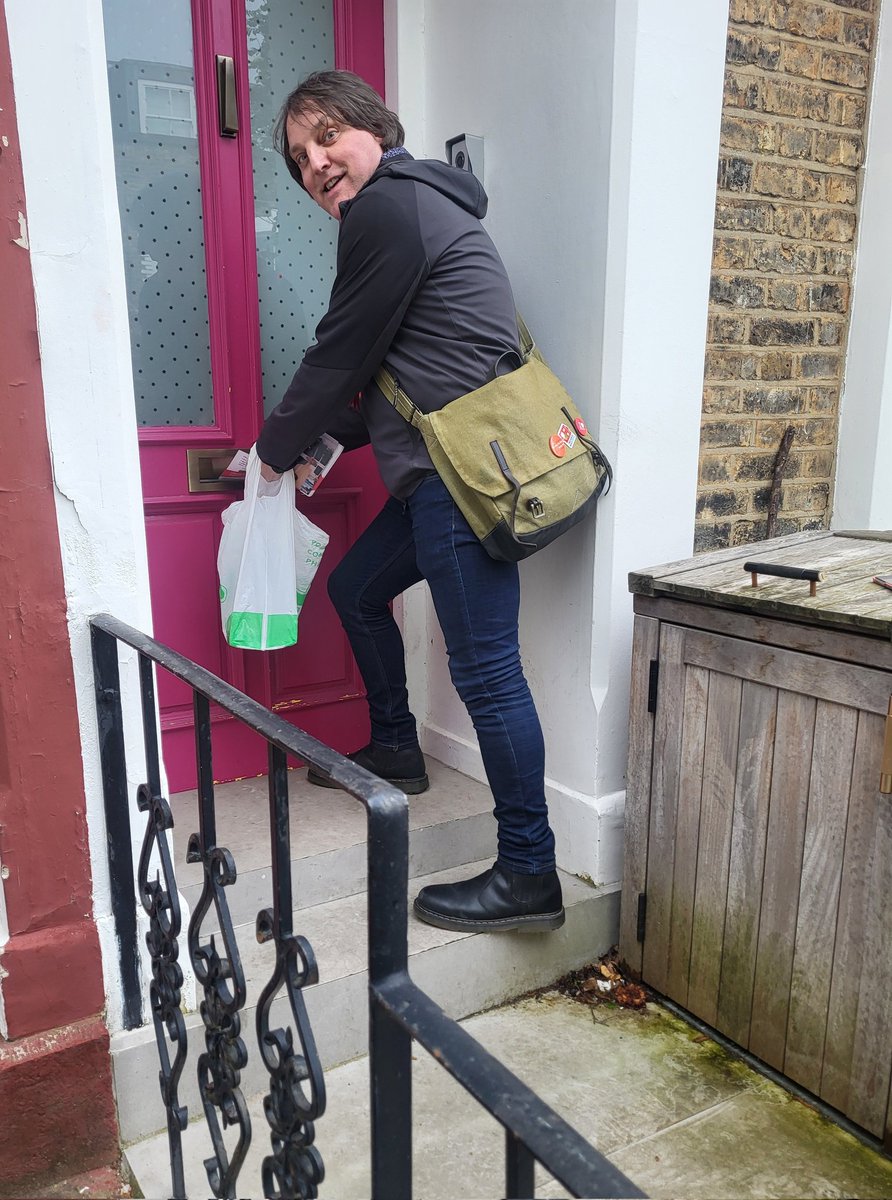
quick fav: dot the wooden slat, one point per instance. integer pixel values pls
(687, 826)
(837, 560)
(645, 647)
(855, 622)
(877, 535)
(872, 1057)
(882, 607)
(829, 554)
(755, 754)
(780, 608)
(643, 580)
(780, 890)
(848, 958)
(663, 806)
(846, 599)
(831, 774)
(855, 686)
(855, 591)
(868, 650)
(847, 569)
(716, 811)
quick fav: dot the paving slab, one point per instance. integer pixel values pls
(763, 1142)
(675, 1112)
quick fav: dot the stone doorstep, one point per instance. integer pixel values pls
(464, 973)
(449, 825)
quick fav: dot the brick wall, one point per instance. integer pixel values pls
(792, 143)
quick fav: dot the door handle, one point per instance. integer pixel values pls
(227, 108)
(886, 769)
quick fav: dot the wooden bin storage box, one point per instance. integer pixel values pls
(757, 889)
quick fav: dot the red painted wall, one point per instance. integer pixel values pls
(51, 962)
(58, 1113)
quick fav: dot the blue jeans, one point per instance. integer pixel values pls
(477, 602)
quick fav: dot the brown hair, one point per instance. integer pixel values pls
(345, 97)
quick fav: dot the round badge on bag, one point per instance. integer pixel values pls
(581, 427)
(557, 446)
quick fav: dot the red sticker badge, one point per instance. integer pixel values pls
(565, 433)
(557, 446)
(581, 427)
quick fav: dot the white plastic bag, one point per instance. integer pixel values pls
(268, 555)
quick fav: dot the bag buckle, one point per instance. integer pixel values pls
(536, 507)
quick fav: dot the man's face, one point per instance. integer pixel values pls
(334, 159)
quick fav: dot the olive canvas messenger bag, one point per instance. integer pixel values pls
(515, 454)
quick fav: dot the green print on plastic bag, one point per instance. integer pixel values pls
(245, 630)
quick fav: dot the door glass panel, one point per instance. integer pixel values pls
(152, 93)
(295, 240)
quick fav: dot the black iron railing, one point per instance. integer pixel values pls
(398, 1010)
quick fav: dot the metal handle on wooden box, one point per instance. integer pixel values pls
(886, 769)
(227, 108)
(811, 574)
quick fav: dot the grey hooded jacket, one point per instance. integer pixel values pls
(421, 288)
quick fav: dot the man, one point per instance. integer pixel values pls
(421, 288)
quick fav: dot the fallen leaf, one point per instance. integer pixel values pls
(630, 995)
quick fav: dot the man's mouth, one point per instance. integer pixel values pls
(332, 183)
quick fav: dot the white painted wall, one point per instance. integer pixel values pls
(601, 125)
(61, 90)
(863, 498)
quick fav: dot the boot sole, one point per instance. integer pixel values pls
(412, 787)
(531, 923)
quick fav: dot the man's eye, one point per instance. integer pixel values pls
(330, 135)
(300, 159)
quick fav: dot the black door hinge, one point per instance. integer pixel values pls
(652, 683)
(642, 916)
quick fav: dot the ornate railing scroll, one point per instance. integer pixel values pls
(296, 1097)
(222, 978)
(161, 902)
(399, 1012)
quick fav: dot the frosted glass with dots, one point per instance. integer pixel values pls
(152, 93)
(295, 240)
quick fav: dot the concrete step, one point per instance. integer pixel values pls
(464, 973)
(450, 824)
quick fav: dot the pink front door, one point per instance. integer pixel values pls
(228, 271)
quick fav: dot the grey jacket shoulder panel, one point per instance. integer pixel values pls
(419, 287)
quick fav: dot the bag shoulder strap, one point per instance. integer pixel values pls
(403, 403)
(527, 345)
(397, 397)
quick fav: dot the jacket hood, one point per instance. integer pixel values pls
(461, 187)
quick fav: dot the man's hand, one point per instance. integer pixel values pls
(270, 475)
(302, 473)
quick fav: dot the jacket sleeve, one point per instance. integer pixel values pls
(381, 264)
(349, 429)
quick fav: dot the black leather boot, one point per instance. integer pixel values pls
(403, 768)
(498, 899)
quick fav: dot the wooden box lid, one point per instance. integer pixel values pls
(846, 598)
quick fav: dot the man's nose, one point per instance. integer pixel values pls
(318, 157)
